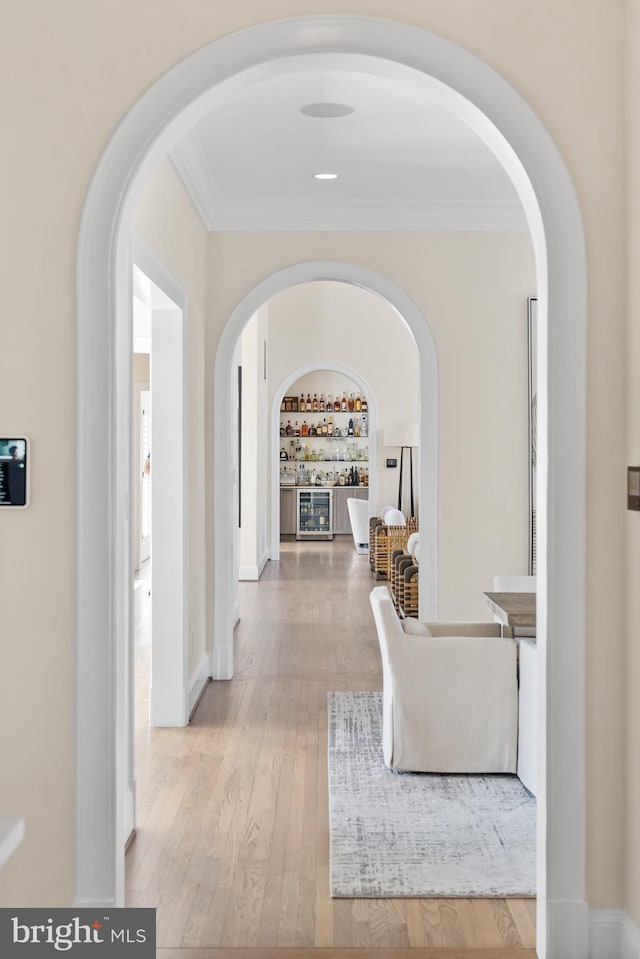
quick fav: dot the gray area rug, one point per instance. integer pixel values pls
(420, 834)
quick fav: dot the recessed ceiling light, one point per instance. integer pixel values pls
(326, 110)
(326, 176)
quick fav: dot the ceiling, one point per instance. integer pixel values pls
(404, 160)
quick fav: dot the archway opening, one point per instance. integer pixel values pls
(104, 340)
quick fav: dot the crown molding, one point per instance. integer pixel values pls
(256, 215)
(190, 163)
(312, 215)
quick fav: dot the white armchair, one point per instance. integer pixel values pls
(359, 519)
(450, 698)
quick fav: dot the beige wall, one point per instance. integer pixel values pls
(70, 71)
(479, 330)
(633, 455)
(168, 226)
(335, 322)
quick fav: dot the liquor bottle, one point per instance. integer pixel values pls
(282, 405)
(341, 480)
(364, 428)
(312, 430)
(308, 403)
(356, 426)
(330, 426)
(350, 429)
(325, 428)
(289, 429)
(365, 405)
(350, 480)
(329, 406)
(358, 404)
(315, 403)
(336, 405)
(344, 404)
(351, 403)
(321, 404)
(296, 429)
(282, 430)
(304, 429)
(356, 478)
(302, 405)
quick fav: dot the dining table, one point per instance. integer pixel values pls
(513, 610)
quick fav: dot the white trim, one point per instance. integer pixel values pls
(613, 935)
(253, 573)
(498, 113)
(190, 163)
(198, 682)
(281, 391)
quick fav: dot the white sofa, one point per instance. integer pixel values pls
(450, 697)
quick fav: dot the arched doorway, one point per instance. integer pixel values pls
(292, 276)
(500, 116)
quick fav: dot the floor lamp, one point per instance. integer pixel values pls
(404, 435)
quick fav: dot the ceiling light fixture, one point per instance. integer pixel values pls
(326, 176)
(326, 111)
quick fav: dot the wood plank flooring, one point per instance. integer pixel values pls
(233, 834)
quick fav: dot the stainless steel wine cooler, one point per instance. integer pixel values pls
(314, 514)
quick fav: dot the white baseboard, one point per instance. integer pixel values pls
(253, 573)
(199, 679)
(613, 935)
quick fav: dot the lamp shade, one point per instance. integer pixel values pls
(401, 434)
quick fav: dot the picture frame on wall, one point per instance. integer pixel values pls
(532, 379)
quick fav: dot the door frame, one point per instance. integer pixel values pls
(497, 112)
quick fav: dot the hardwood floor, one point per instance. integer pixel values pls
(233, 835)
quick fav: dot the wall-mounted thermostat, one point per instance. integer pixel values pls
(14, 472)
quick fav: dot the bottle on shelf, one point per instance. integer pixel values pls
(308, 403)
(296, 429)
(282, 405)
(336, 405)
(358, 403)
(330, 426)
(304, 429)
(341, 479)
(321, 404)
(314, 405)
(356, 477)
(351, 403)
(302, 405)
(288, 429)
(325, 428)
(364, 427)
(312, 430)
(329, 406)
(344, 403)
(365, 405)
(282, 430)
(350, 428)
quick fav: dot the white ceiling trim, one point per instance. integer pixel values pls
(190, 163)
(257, 215)
(310, 215)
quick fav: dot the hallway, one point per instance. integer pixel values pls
(233, 840)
